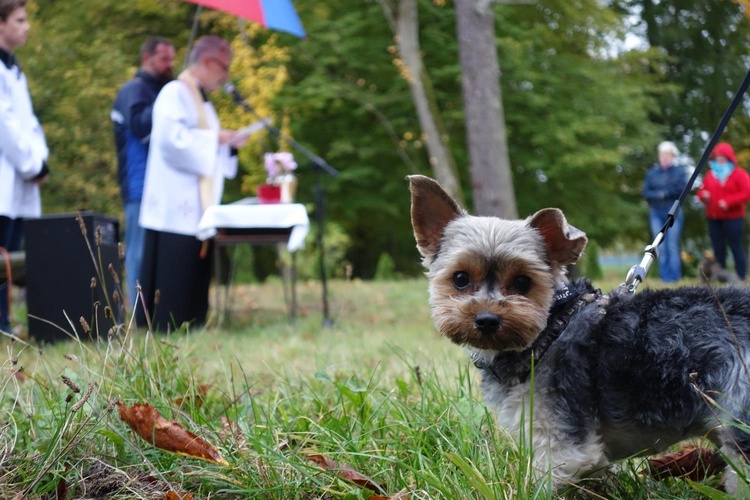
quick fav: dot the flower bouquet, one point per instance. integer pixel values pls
(281, 184)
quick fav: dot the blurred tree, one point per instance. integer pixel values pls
(349, 105)
(578, 115)
(491, 179)
(403, 19)
(77, 56)
(577, 112)
(704, 47)
(706, 43)
(259, 71)
(80, 53)
(745, 5)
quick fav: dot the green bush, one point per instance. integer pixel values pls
(386, 269)
(589, 263)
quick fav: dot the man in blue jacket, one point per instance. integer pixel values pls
(131, 116)
(664, 184)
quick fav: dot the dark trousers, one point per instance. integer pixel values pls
(731, 232)
(11, 235)
(173, 269)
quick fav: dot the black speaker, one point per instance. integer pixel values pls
(59, 271)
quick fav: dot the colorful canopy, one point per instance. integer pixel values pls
(273, 14)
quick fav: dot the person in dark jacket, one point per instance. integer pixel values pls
(725, 191)
(664, 183)
(131, 116)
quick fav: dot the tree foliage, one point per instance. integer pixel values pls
(78, 55)
(583, 114)
(703, 48)
(578, 117)
(706, 44)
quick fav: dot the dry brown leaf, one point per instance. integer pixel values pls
(690, 462)
(20, 375)
(146, 421)
(173, 495)
(344, 472)
(61, 490)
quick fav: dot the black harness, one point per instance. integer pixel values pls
(510, 366)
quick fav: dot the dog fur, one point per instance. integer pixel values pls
(625, 375)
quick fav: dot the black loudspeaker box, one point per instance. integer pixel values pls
(60, 269)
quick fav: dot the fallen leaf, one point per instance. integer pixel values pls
(147, 423)
(61, 490)
(146, 478)
(173, 495)
(344, 472)
(690, 462)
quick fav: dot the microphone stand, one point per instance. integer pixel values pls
(318, 165)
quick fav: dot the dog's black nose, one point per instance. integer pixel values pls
(487, 323)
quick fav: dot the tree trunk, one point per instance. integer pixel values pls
(492, 183)
(405, 25)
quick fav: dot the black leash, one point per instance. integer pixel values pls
(637, 273)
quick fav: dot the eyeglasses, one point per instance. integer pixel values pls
(221, 63)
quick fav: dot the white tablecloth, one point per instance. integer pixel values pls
(281, 216)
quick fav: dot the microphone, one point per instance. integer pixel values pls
(236, 96)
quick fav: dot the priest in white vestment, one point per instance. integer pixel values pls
(189, 158)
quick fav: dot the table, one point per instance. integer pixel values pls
(253, 224)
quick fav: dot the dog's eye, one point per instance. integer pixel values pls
(521, 284)
(461, 280)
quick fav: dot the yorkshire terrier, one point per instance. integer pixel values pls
(613, 376)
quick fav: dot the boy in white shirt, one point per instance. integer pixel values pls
(23, 149)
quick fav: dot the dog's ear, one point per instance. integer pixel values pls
(431, 210)
(564, 242)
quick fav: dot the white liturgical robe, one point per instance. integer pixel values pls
(23, 149)
(180, 154)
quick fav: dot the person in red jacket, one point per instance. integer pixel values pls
(725, 190)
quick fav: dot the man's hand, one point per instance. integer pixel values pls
(40, 181)
(226, 136)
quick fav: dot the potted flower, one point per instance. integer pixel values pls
(281, 184)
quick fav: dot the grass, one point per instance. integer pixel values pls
(379, 393)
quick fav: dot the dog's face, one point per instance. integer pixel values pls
(491, 280)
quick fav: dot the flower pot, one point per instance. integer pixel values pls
(268, 194)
